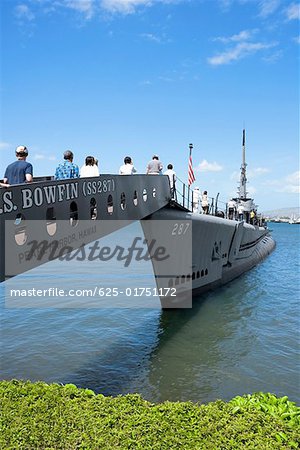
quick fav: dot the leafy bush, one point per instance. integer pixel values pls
(52, 417)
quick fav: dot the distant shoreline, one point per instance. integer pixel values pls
(282, 213)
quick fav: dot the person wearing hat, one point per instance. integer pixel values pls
(154, 166)
(19, 171)
(67, 169)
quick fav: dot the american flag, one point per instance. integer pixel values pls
(191, 176)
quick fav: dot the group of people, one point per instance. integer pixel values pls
(21, 171)
(196, 201)
(67, 169)
(237, 211)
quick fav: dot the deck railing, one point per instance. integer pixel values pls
(184, 196)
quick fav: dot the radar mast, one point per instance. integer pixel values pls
(242, 192)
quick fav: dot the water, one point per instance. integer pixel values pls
(241, 338)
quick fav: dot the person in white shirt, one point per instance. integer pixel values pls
(241, 211)
(204, 203)
(231, 209)
(127, 168)
(172, 179)
(196, 199)
(90, 168)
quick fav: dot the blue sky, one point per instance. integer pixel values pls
(113, 78)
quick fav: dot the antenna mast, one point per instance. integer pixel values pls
(243, 179)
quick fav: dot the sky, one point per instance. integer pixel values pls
(112, 78)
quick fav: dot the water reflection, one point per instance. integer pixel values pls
(199, 350)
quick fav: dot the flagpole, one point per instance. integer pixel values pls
(191, 148)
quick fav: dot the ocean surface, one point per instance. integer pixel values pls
(242, 338)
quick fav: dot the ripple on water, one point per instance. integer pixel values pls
(241, 338)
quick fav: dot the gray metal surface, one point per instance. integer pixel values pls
(222, 250)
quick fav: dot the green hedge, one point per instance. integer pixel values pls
(41, 416)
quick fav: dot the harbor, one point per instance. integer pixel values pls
(240, 338)
(149, 203)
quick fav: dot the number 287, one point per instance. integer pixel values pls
(180, 228)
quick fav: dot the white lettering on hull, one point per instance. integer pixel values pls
(48, 194)
(7, 205)
(51, 194)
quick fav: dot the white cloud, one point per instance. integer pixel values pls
(289, 184)
(293, 12)
(293, 178)
(273, 57)
(257, 172)
(241, 50)
(124, 6)
(241, 36)
(292, 183)
(159, 39)
(297, 39)
(268, 7)
(23, 12)
(290, 189)
(151, 37)
(130, 6)
(88, 8)
(205, 166)
(225, 4)
(265, 7)
(251, 173)
(85, 7)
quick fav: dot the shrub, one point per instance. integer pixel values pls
(52, 417)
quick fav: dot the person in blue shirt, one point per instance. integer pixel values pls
(67, 169)
(19, 171)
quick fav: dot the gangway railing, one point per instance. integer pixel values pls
(185, 197)
(182, 195)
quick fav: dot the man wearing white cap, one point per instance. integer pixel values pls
(19, 171)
